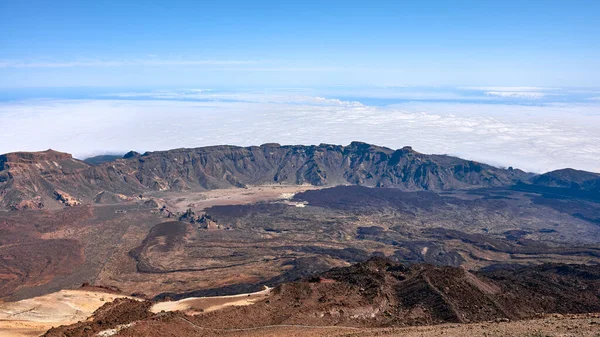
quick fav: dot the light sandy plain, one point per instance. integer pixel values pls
(34, 316)
(198, 201)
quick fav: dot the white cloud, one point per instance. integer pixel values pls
(249, 97)
(517, 94)
(500, 88)
(521, 92)
(534, 138)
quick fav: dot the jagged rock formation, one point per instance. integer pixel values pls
(204, 221)
(66, 198)
(25, 176)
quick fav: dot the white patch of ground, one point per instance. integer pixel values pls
(33, 316)
(181, 201)
(287, 195)
(112, 332)
(194, 305)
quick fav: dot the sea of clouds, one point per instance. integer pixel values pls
(535, 137)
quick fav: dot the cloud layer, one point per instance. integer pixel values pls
(517, 94)
(534, 138)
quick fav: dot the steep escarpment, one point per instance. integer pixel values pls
(31, 179)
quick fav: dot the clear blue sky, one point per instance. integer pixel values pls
(299, 43)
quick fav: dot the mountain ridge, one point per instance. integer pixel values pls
(32, 179)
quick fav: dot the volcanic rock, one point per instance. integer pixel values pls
(24, 176)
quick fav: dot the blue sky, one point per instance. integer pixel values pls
(510, 83)
(299, 43)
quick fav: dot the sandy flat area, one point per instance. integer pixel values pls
(181, 201)
(33, 316)
(195, 305)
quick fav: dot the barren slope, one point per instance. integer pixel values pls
(376, 293)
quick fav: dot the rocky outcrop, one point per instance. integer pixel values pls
(203, 221)
(66, 198)
(30, 179)
(24, 176)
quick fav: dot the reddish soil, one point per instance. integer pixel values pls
(34, 248)
(36, 262)
(374, 294)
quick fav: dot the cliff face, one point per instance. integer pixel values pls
(358, 163)
(32, 179)
(27, 176)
